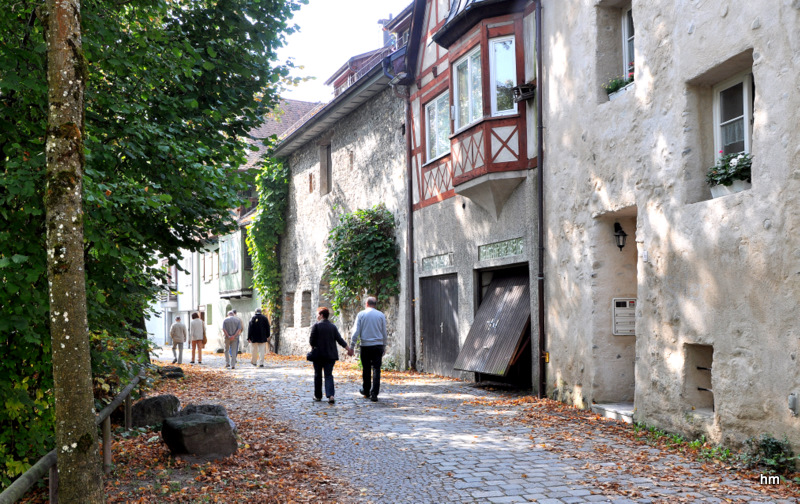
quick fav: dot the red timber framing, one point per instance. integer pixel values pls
(492, 144)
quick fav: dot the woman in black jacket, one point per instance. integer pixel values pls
(324, 337)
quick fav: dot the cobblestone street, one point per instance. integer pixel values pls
(433, 440)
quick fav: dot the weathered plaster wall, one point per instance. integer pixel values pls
(372, 137)
(721, 272)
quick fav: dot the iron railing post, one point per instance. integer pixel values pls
(107, 445)
(54, 484)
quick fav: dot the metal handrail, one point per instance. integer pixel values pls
(25, 481)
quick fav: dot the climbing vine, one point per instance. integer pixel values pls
(272, 184)
(362, 257)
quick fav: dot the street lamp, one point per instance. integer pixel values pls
(619, 236)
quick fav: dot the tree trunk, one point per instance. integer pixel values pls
(80, 478)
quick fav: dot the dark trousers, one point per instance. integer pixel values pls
(371, 357)
(321, 365)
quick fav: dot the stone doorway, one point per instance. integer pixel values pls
(614, 303)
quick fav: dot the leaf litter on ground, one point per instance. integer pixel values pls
(272, 465)
(612, 448)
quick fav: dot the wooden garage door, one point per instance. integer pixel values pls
(439, 323)
(496, 337)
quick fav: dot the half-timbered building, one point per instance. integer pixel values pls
(472, 155)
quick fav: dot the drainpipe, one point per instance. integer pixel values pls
(410, 265)
(276, 322)
(540, 209)
(411, 323)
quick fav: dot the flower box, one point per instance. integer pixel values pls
(619, 92)
(730, 175)
(720, 190)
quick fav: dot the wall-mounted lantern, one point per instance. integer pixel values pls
(619, 235)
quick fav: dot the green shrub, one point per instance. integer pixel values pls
(362, 257)
(775, 456)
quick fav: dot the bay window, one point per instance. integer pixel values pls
(468, 82)
(437, 122)
(504, 75)
(467, 89)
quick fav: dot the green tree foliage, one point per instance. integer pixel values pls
(269, 223)
(170, 96)
(363, 257)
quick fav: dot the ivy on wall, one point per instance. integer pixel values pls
(362, 257)
(269, 223)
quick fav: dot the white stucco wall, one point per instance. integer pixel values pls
(720, 272)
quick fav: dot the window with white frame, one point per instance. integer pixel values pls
(223, 257)
(208, 265)
(502, 58)
(437, 122)
(467, 89)
(228, 257)
(215, 263)
(627, 44)
(733, 115)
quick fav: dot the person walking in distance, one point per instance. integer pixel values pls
(231, 329)
(258, 336)
(196, 330)
(177, 332)
(324, 337)
(371, 332)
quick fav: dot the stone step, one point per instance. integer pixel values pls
(617, 411)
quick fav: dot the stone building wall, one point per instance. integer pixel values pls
(717, 281)
(368, 168)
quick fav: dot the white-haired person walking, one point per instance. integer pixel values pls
(231, 329)
(177, 332)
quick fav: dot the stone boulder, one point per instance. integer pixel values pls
(153, 410)
(173, 372)
(208, 436)
(208, 409)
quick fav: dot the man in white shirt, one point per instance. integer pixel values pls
(371, 331)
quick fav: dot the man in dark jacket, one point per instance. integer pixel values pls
(324, 337)
(258, 336)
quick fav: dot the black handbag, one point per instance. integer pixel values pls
(313, 354)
